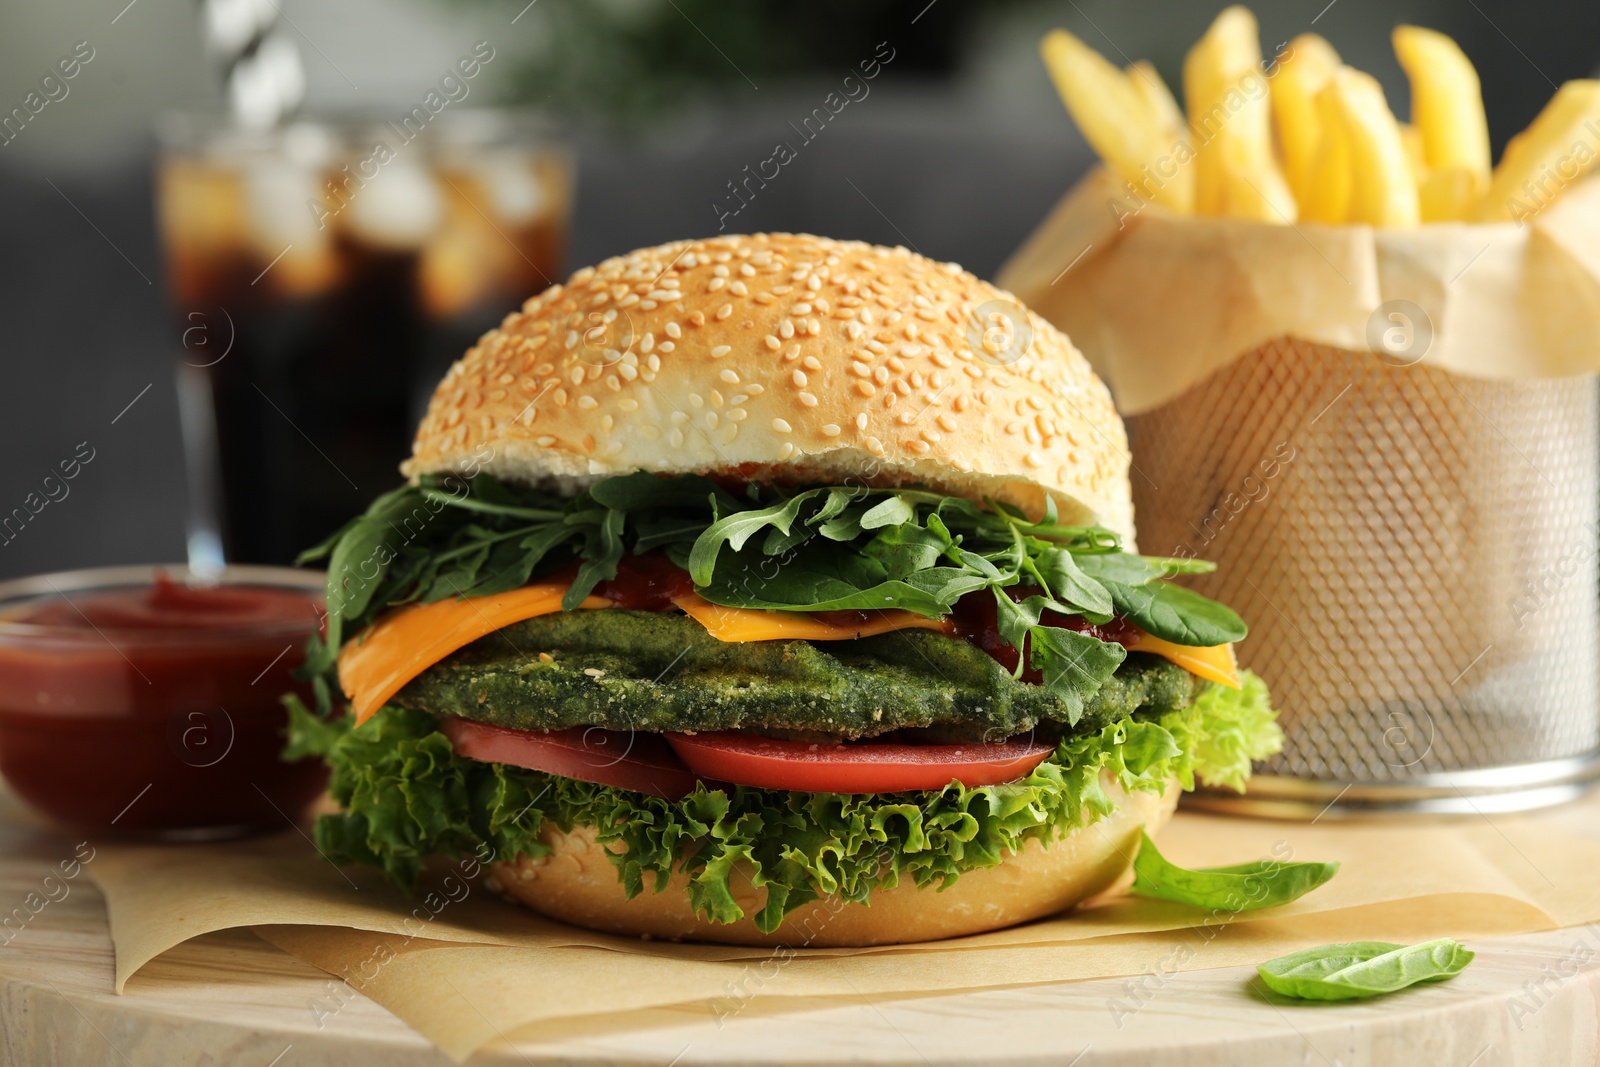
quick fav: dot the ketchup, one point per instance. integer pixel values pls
(166, 605)
(646, 583)
(154, 708)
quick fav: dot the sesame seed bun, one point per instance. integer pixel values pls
(785, 358)
(576, 883)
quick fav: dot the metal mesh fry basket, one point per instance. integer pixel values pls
(1416, 552)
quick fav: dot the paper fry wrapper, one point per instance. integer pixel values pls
(1386, 440)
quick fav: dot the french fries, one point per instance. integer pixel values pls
(1557, 149)
(1122, 119)
(1296, 115)
(1447, 108)
(1383, 191)
(1230, 119)
(1327, 199)
(1306, 138)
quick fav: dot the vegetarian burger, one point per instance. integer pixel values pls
(770, 589)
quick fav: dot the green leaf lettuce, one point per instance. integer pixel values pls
(407, 796)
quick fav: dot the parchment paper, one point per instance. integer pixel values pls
(463, 968)
(1159, 301)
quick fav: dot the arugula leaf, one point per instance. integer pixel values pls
(825, 548)
(1363, 968)
(1242, 887)
(1074, 665)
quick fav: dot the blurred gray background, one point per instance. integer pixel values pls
(960, 149)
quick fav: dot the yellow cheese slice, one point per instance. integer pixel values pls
(379, 661)
(1215, 663)
(746, 624)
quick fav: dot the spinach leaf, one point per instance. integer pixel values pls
(1071, 585)
(1362, 968)
(1168, 611)
(1244, 887)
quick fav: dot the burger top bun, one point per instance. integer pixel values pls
(786, 358)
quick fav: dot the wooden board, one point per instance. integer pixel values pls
(231, 998)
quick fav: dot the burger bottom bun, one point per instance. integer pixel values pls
(576, 883)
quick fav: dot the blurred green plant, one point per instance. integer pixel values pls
(628, 62)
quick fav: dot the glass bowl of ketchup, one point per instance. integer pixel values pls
(145, 701)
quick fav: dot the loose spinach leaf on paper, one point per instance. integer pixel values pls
(826, 548)
(1243, 887)
(1362, 968)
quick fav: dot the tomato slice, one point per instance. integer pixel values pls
(858, 767)
(638, 762)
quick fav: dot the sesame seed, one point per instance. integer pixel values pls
(808, 400)
(676, 438)
(739, 289)
(737, 415)
(721, 350)
(773, 343)
(560, 397)
(730, 376)
(799, 378)
(755, 389)
(874, 446)
(587, 403)
(830, 430)
(1033, 459)
(715, 284)
(800, 309)
(785, 329)
(724, 311)
(786, 451)
(606, 423)
(781, 425)
(860, 369)
(627, 371)
(919, 447)
(544, 442)
(866, 388)
(811, 363)
(674, 330)
(628, 405)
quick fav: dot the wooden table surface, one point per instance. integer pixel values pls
(230, 998)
